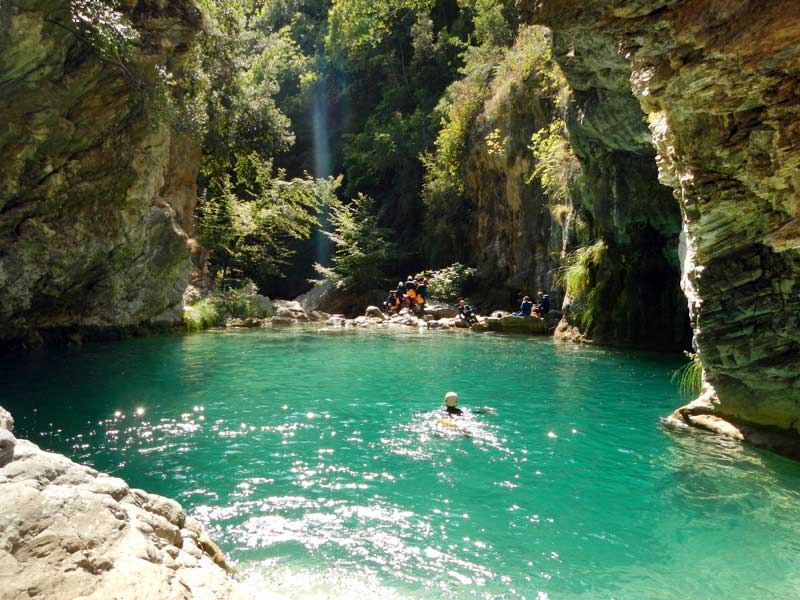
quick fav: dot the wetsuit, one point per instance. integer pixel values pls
(466, 313)
(422, 293)
(392, 303)
(453, 411)
(543, 307)
(524, 309)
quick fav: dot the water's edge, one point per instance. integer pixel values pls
(74, 531)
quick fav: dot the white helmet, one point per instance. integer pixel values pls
(450, 399)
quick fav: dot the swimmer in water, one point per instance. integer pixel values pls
(451, 406)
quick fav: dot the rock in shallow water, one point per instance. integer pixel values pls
(67, 531)
(513, 324)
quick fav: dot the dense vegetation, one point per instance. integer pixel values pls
(294, 93)
(351, 121)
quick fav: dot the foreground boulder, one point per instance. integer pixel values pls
(67, 531)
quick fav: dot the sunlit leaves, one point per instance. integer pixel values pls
(362, 248)
(104, 27)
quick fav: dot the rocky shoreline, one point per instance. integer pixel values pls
(67, 531)
(435, 316)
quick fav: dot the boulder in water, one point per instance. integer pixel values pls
(375, 312)
(440, 310)
(511, 324)
(281, 321)
(76, 532)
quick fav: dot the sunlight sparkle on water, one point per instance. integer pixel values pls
(323, 469)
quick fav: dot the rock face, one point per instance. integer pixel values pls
(96, 191)
(512, 238)
(520, 232)
(67, 531)
(720, 83)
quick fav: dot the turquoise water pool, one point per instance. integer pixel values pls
(316, 461)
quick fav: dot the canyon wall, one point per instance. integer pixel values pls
(719, 81)
(520, 231)
(97, 189)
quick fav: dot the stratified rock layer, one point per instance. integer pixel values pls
(67, 531)
(517, 233)
(96, 191)
(720, 83)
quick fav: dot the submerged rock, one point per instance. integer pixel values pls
(248, 322)
(67, 531)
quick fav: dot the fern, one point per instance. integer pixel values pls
(690, 375)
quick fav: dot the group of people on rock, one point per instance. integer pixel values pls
(409, 294)
(528, 308)
(413, 294)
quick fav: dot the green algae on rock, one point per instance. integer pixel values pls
(97, 192)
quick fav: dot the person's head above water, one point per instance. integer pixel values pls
(461, 302)
(450, 399)
(539, 294)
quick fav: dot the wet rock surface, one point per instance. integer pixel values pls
(67, 531)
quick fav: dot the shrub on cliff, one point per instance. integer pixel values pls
(449, 284)
(577, 276)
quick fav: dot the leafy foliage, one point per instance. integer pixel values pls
(105, 28)
(690, 375)
(556, 166)
(449, 284)
(576, 276)
(362, 247)
(238, 302)
(246, 217)
(203, 314)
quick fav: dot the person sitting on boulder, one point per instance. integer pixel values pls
(401, 290)
(542, 305)
(465, 312)
(411, 291)
(422, 292)
(525, 308)
(392, 303)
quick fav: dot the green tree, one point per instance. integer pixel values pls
(246, 218)
(363, 249)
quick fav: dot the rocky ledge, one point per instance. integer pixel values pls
(67, 531)
(435, 316)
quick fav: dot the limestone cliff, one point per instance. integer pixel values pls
(720, 83)
(97, 191)
(512, 237)
(67, 531)
(520, 231)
